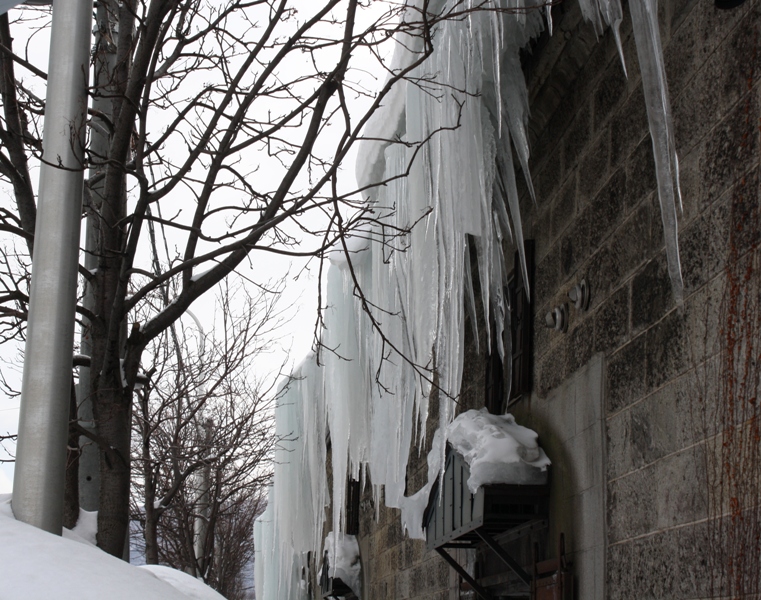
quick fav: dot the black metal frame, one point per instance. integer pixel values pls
(460, 519)
(505, 557)
(479, 589)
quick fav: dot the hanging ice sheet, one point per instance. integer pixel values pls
(370, 391)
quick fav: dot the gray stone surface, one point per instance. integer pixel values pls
(628, 481)
(571, 426)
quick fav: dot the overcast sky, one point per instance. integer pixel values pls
(296, 335)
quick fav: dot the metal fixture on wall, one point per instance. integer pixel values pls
(557, 318)
(727, 4)
(580, 295)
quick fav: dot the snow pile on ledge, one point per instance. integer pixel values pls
(343, 558)
(36, 565)
(497, 449)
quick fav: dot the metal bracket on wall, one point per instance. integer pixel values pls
(504, 556)
(727, 4)
(480, 590)
(580, 295)
(557, 318)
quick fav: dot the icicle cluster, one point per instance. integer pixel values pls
(368, 392)
(292, 524)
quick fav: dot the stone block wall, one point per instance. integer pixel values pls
(395, 567)
(598, 217)
(572, 426)
(646, 531)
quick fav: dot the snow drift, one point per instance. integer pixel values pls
(36, 565)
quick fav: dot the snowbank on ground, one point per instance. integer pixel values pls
(343, 558)
(86, 529)
(187, 584)
(497, 449)
(36, 565)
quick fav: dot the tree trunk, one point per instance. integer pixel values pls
(152, 514)
(112, 413)
(150, 532)
(19, 175)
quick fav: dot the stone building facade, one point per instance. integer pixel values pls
(630, 403)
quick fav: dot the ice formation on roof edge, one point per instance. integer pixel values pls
(373, 414)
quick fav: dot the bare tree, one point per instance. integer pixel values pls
(203, 435)
(227, 125)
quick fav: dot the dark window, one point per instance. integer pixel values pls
(521, 326)
(494, 399)
(352, 507)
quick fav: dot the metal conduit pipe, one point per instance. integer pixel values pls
(38, 483)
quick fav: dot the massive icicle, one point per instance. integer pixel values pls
(368, 391)
(292, 524)
(650, 53)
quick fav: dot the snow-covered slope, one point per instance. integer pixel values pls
(35, 565)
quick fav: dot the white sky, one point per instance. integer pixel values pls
(296, 334)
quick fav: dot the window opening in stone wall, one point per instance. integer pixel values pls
(332, 587)
(521, 327)
(494, 390)
(353, 493)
